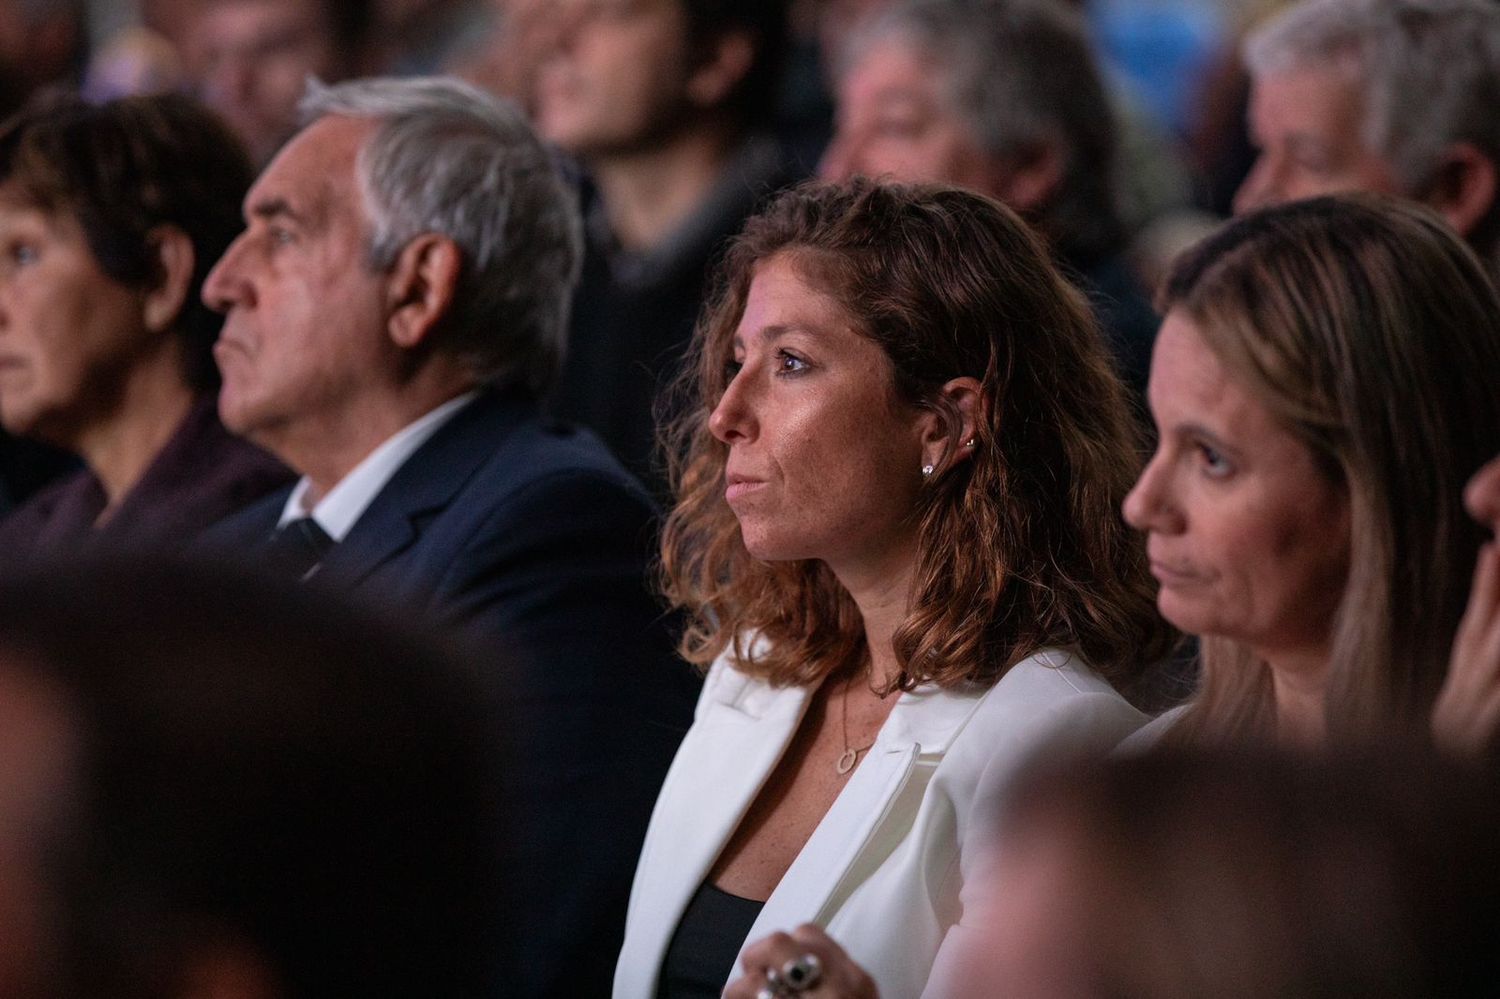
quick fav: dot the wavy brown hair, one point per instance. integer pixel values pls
(1371, 332)
(1019, 549)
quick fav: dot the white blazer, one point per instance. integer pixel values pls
(884, 870)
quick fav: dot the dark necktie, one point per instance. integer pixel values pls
(297, 547)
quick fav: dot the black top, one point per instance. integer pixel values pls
(201, 475)
(708, 939)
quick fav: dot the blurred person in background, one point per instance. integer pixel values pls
(667, 106)
(1002, 97)
(1392, 96)
(396, 308)
(110, 217)
(43, 43)
(249, 60)
(424, 37)
(217, 786)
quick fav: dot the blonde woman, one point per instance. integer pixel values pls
(1322, 387)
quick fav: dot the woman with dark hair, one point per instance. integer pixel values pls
(898, 546)
(110, 217)
(1323, 387)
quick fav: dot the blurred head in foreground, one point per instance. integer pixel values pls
(212, 787)
(1179, 876)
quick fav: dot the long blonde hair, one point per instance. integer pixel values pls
(1373, 334)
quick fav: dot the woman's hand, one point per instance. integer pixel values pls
(771, 966)
(1466, 717)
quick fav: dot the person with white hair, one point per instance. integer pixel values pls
(1389, 96)
(1003, 97)
(394, 312)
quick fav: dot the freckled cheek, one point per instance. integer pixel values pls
(823, 480)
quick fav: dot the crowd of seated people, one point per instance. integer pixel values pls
(530, 541)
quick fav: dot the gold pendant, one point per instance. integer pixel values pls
(847, 760)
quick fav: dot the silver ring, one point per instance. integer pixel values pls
(802, 973)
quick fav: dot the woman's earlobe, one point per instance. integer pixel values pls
(163, 303)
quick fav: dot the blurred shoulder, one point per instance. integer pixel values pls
(1150, 735)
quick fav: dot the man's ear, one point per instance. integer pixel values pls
(421, 287)
(1465, 187)
(961, 402)
(163, 303)
(725, 62)
(1027, 180)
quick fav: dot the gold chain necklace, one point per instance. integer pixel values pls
(850, 756)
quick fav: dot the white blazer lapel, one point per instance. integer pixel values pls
(719, 769)
(856, 834)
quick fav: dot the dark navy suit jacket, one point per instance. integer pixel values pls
(529, 539)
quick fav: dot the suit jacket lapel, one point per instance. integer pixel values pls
(425, 485)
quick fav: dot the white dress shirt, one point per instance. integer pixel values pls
(337, 512)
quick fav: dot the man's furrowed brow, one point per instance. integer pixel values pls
(270, 209)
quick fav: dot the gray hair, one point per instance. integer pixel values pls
(1429, 71)
(1022, 74)
(450, 159)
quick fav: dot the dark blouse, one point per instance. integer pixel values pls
(709, 936)
(201, 475)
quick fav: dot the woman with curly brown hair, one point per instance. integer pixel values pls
(898, 546)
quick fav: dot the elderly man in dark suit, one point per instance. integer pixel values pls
(395, 309)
